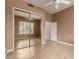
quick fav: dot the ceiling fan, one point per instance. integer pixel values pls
(57, 2)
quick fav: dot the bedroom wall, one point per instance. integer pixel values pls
(65, 25)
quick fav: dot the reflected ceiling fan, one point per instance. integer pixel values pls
(57, 2)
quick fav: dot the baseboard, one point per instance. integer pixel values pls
(43, 43)
(65, 43)
(8, 51)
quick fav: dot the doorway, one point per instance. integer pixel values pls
(50, 31)
(27, 29)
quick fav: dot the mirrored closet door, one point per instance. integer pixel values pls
(21, 29)
(27, 29)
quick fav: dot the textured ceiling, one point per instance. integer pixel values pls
(50, 9)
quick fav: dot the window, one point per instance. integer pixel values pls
(26, 27)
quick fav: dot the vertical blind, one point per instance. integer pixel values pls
(26, 27)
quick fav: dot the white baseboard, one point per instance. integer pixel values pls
(8, 51)
(65, 43)
(43, 43)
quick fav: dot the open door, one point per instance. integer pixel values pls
(47, 30)
(54, 31)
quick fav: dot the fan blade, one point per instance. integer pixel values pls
(65, 1)
(49, 3)
(56, 6)
(57, 3)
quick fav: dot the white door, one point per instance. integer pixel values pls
(47, 30)
(54, 31)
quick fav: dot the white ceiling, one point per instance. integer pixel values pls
(50, 9)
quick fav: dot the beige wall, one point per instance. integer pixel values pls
(65, 23)
(9, 18)
(37, 27)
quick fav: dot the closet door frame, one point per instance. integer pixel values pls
(42, 26)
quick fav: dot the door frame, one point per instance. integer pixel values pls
(42, 26)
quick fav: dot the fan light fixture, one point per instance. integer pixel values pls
(57, 2)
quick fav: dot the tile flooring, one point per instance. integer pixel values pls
(23, 43)
(51, 50)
